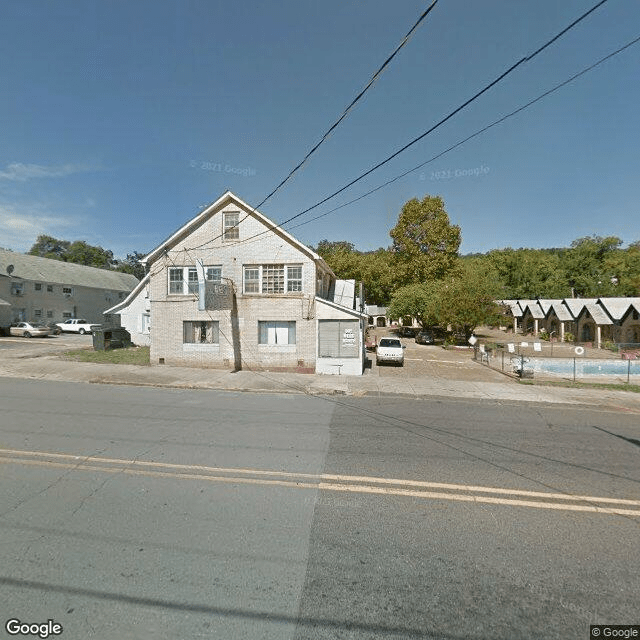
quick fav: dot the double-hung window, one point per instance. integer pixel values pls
(231, 230)
(184, 280)
(276, 332)
(201, 332)
(273, 278)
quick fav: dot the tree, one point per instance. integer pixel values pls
(419, 301)
(467, 300)
(80, 252)
(425, 243)
(49, 247)
(132, 265)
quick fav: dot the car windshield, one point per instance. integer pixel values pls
(390, 342)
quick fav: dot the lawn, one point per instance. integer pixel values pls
(132, 355)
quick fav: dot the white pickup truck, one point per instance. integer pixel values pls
(76, 325)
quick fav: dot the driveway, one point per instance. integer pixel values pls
(18, 347)
(432, 361)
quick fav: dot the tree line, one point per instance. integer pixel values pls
(422, 274)
(81, 252)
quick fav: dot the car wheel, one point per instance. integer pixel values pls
(26, 334)
(82, 332)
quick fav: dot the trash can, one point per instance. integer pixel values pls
(105, 338)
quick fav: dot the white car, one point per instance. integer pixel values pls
(390, 350)
(76, 325)
(29, 330)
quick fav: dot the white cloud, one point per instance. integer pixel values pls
(21, 228)
(19, 172)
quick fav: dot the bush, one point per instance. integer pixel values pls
(569, 337)
(543, 335)
(612, 346)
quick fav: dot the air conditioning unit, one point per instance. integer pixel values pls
(67, 295)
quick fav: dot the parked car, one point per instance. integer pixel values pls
(407, 332)
(76, 325)
(390, 350)
(29, 330)
(425, 337)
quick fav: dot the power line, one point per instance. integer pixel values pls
(486, 88)
(477, 133)
(375, 76)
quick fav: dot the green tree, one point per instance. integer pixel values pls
(419, 301)
(466, 300)
(425, 243)
(131, 264)
(588, 265)
(80, 252)
(49, 247)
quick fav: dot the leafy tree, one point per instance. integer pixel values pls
(466, 300)
(132, 265)
(80, 252)
(425, 243)
(49, 247)
(419, 301)
(589, 266)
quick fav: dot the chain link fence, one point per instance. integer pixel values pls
(614, 363)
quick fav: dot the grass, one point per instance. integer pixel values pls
(612, 386)
(132, 355)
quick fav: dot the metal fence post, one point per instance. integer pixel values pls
(574, 369)
(628, 370)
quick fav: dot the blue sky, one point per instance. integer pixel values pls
(119, 120)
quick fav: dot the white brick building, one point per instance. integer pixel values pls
(230, 289)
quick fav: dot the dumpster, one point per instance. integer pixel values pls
(105, 338)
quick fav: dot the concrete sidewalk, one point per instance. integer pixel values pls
(52, 367)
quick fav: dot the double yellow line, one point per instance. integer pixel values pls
(328, 482)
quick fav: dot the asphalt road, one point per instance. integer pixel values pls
(152, 513)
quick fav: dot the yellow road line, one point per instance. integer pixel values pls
(321, 477)
(319, 484)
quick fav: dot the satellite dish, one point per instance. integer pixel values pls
(10, 269)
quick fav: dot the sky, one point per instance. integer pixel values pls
(120, 120)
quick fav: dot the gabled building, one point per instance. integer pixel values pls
(231, 289)
(44, 290)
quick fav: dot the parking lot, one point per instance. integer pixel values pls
(431, 361)
(18, 347)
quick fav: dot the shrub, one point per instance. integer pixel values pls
(569, 337)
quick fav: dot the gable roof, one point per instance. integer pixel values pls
(597, 313)
(562, 312)
(226, 198)
(125, 303)
(618, 307)
(534, 308)
(575, 305)
(28, 267)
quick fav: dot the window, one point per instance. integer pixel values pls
(49, 288)
(37, 286)
(200, 332)
(273, 278)
(231, 228)
(184, 280)
(252, 279)
(66, 314)
(176, 280)
(294, 278)
(37, 313)
(276, 332)
(17, 289)
(213, 274)
(49, 314)
(192, 282)
(67, 291)
(145, 322)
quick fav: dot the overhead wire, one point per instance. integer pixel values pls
(479, 93)
(474, 135)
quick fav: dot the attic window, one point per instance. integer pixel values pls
(231, 228)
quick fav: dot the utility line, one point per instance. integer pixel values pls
(375, 76)
(501, 77)
(477, 133)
